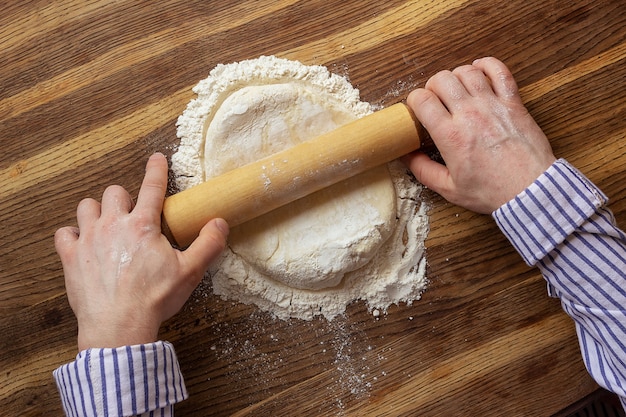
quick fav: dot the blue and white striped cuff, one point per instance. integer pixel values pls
(128, 380)
(548, 211)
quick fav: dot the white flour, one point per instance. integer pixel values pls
(313, 272)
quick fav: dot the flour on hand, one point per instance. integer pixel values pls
(362, 238)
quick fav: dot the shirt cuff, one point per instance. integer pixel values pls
(542, 216)
(127, 380)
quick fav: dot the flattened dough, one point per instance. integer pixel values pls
(312, 243)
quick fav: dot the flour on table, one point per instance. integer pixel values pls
(362, 238)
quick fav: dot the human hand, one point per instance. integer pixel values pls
(122, 276)
(492, 147)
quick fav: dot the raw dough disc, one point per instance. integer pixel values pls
(396, 272)
(311, 243)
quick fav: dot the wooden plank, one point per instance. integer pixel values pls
(88, 91)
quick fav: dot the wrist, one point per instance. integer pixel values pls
(112, 336)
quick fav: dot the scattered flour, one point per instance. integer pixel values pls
(326, 255)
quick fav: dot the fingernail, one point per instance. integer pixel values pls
(222, 226)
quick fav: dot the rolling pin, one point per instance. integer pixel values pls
(259, 187)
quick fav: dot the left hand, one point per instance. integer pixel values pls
(122, 276)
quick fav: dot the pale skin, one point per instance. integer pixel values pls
(123, 278)
(492, 147)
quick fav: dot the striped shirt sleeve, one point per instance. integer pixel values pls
(133, 380)
(561, 225)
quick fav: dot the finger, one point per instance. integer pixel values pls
(116, 201)
(430, 111)
(448, 88)
(473, 79)
(206, 248)
(153, 187)
(88, 211)
(64, 240)
(500, 76)
(430, 173)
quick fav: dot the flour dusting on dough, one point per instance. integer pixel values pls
(360, 239)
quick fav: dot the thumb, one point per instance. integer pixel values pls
(207, 247)
(430, 173)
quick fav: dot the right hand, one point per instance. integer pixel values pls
(492, 147)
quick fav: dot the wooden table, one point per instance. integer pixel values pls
(89, 91)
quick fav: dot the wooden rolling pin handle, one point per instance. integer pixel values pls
(257, 188)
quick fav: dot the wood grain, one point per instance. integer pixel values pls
(88, 90)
